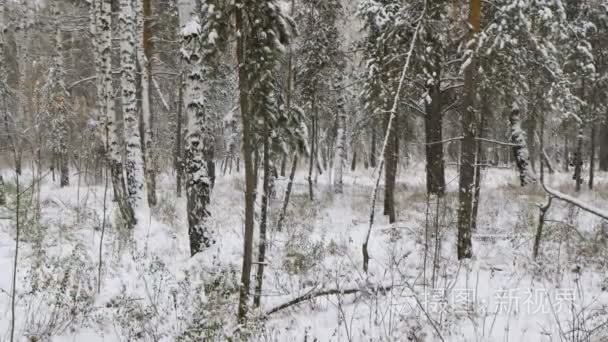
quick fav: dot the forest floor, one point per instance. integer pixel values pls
(415, 289)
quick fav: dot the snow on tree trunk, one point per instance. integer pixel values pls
(520, 151)
(144, 48)
(467, 146)
(340, 154)
(107, 109)
(198, 184)
(134, 159)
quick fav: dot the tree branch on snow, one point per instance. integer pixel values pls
(312, 294)
(576, 202)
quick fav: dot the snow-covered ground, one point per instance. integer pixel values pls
(416, 289)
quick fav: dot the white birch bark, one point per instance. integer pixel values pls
(134, 158)
(521, 151)
(144, 68)
(112, 135)
(198, 183)
(340, 153)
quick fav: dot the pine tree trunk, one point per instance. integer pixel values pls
(467, 155)
(249, 171)
(530, 130)
(179, 166)
(543, 160)
(566, 152)
(313, 151)
(292, 174)
(134, 158)
(479, 160)
(263, 221)
(604, 144)
(353, 164)
(435, 174)
(578, 160)
(433, 120)
(372, 148)
(283, 165)
(592, 157)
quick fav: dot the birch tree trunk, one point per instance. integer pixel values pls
(134, 158)
(106, 106)
(144, 57)
(340, 154)
(198, 186)
(521, 151)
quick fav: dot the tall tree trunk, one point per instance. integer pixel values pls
(391, 157)
(144, 58)
(541, 142)
(372, 147)
(257, 297)
(433, 120)
(592, 157)
(292, 174)
(566, 152)
(283, 165)
(340, 154)
(578, 160)
(59, 104)
(178, 157)
(479, 160)
(530, 130)
(604, 144)
(435, 178)
(249, 171)
(107, 106)
(313, 152)
(134, 158)
(198, 183)
(467, 170)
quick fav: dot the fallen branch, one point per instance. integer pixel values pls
(578, 203)
(311, 295)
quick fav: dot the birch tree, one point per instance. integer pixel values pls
(112, 135)
(134, 158)
(201, 31)
(144, 56)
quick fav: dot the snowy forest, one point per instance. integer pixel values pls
(304, 170)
